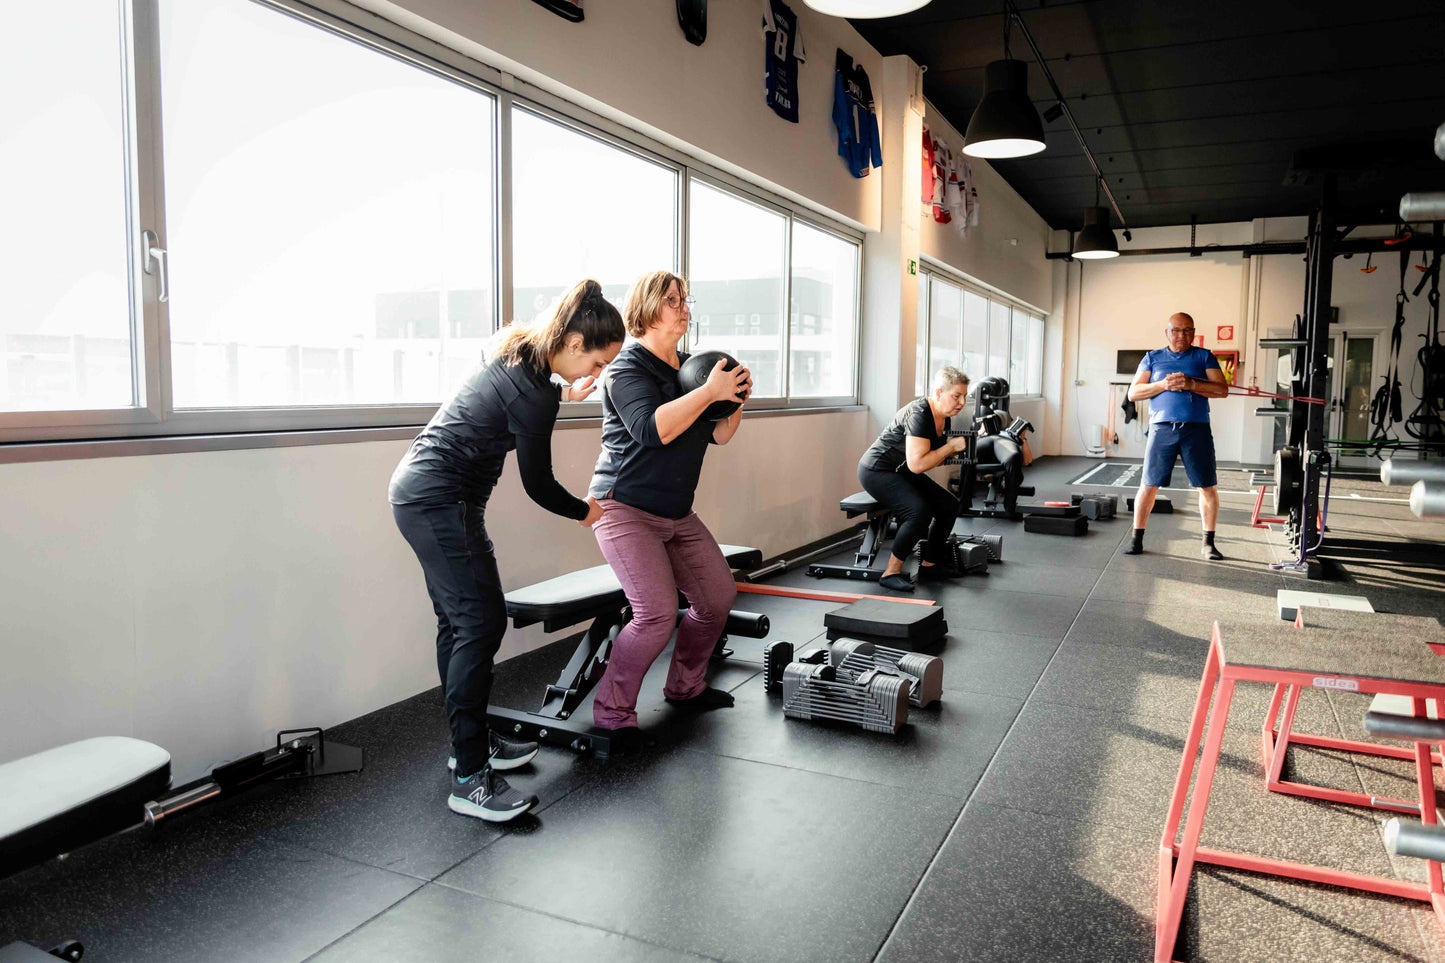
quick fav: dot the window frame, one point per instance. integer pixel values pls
(153, 416)
(932, 268)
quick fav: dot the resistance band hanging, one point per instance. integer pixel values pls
(1425, 421)
(1387, 408)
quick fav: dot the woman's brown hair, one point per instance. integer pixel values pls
(582, 310)
(644, 301)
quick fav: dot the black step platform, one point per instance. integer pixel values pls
(1162, 505)
(1054, 525)
(899, 624)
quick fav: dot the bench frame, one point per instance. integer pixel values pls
(551, 723)
(875, 530)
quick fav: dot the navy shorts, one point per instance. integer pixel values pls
(1171, 439)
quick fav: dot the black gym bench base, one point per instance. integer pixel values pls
(593, 593)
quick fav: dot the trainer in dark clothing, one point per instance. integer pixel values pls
(459, 454)
(635, 467)
(439, 493)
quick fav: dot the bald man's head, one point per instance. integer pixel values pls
(1180, 332)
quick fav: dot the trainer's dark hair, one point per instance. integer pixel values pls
(582, 310)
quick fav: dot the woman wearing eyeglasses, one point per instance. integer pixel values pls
(654, 437)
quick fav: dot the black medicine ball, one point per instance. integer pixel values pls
(693, 375)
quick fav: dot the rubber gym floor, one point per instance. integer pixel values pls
(1018, 821)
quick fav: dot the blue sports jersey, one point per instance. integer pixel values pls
(853, 116)
(1178, 405)
(784, 53)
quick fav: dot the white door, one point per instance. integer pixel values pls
(1353, 384)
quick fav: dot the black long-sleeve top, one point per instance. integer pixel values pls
(459, 454)
(635, 467)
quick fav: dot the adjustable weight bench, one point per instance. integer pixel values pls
(593, 593)
(874, 532)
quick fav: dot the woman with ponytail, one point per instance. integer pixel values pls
(438, 495)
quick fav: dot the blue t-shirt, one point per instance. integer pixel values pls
(1178, 405)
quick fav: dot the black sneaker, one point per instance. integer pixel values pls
(898, 582)
(486, 795)
(506, 753)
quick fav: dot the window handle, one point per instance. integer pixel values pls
(157, 262)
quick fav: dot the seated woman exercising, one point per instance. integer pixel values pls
(438, 495)
(653, 442)
(892, 471)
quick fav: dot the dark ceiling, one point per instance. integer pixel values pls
(1202, 109)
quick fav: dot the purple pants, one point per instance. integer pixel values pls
(653, 558)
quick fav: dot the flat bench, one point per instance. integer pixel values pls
(63, 798)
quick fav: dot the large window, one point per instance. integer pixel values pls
(824, 314)
(66, 328)
(771, 288)
(945, 344)
(323, 216)
(736, 257)
(564, 230)
(983, 334)
(197, 244)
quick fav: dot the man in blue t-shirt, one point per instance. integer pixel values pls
(1179, 381)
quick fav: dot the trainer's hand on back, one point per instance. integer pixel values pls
(594, 513)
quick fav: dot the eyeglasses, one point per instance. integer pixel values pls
(1181, 330)
(673, 301)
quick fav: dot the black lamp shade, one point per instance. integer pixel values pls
(1096, 240)
(1005, 123)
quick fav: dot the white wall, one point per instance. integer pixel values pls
(628, 61)
(205, 600)
(1006, 250)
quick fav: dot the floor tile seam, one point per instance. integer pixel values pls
(355, 861)
(505, 835)
(577, 922)
(366, 922)
(973, 793)
(829, 775)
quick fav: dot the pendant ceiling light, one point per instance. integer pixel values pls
(1004, 124)
(1096, 240)
(865, 9)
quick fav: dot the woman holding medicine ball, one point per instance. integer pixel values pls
(655, 432)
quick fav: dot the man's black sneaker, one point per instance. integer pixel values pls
(486, 795)
(506, 753)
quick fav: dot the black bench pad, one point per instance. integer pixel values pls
(860, 503)
(571, 598)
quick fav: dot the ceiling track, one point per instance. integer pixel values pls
(1012, 13)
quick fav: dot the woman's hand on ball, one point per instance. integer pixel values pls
(724, 385)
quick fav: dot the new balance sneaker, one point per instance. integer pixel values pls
(486, 795)
(506, 753)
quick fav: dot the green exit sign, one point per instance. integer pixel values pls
(912, 266)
